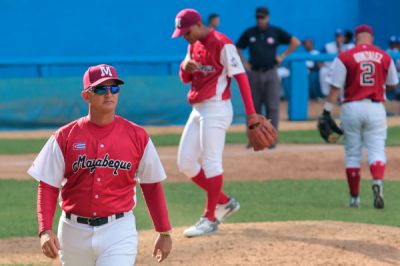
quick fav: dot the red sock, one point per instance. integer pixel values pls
(377, 169)
(202, 181)
(353, 180)
(213, 192)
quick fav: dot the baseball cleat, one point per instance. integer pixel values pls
(224, 210)
(354, 202)
(377, 189)
(201, 228)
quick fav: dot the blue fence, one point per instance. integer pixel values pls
(48, 100)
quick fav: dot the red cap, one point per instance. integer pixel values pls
(184, 20)
(363, 28)
(98, 74)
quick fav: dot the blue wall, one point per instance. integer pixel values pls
(383, 16)
(49, 28)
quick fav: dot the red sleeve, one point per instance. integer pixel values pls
(186, 77)
(154, 196)
(46, 206)
(245, 91)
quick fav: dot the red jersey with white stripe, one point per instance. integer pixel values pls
(218, 61)
(362, 73)
(97, 167)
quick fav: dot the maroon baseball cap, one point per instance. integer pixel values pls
(184, 20)
(363, 28)
(98, 74)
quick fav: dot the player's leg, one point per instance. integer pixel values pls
(256, 89)
(215, 119)
(76, 243)
(202, 181)
(116, 242)
(189, 147)
(375, 132)
(272, 96)
(213, 146)
(351, 123)
(189, 153)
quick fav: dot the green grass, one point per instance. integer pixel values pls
(21, 146)
(283, 200)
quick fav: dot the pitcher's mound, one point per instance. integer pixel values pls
(283, 243)
(259, 244)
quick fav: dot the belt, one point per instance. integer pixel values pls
(262, 69)
(94, 221)
(365, 100)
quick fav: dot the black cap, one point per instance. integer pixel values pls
(262, 12)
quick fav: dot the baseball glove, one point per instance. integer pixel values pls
(328, 129)
(261, 133)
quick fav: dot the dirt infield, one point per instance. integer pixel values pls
(276, 243)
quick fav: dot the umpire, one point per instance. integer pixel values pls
(263, 41)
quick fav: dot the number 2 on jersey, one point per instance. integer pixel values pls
(367, 74)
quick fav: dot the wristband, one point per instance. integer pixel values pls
(166, 234)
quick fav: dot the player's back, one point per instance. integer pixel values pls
(366, 72)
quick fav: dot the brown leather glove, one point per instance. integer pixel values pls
(261, 133)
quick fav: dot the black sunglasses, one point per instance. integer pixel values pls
(102, 90)
(261, 17)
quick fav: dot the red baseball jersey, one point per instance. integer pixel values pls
(218, 61)
(97, 167)
(362, 73)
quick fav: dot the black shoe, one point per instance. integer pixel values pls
(378, 196)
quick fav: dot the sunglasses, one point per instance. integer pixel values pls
(102, 90)
(261, 17)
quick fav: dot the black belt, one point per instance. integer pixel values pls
(262, 69)
(94, 221)
(372, 100)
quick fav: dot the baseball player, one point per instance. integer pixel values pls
(95, 163)
(211, 61)
(361, 75)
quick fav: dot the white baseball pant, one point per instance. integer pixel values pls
(203, 138)
(364, 122)
(114, 243)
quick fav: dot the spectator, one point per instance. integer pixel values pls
(308, 44)
(213, 21)
(334, 47)
(313, 68)
(394, 47)
(348, 40)
(263, 41)
(393, 44)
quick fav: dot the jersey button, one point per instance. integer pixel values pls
(98, 179)
(96, 196)
(101, 145)
(94, 214)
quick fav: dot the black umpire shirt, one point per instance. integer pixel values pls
(262, 45)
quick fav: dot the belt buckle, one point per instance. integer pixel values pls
(90, 220)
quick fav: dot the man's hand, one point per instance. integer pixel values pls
(162, 247)
(190, 66)
(50, 244)
(279, 59)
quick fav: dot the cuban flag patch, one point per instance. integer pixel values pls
(79, 146)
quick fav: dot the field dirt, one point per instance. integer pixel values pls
(255, 244)
(273, 243)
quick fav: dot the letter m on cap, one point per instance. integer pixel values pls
(105, 71)
(178, 23)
